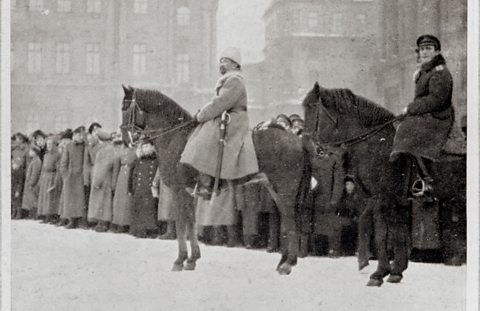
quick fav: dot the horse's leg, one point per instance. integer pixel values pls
(180, 226)
(289, 229)
(400, 249)
(365, 225)
(190, 207)
(381, 236)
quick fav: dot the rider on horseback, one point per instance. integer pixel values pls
(202, 149)
(427, 120)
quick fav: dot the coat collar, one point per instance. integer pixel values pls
(436, 61)
(225, 77)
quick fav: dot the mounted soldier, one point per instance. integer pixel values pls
(203, 150)
(426, 122)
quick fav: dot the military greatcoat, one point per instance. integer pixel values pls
(430, 116)
(201, 150)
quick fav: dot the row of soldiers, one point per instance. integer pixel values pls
(90, 178)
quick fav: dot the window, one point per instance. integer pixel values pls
(337, 23)
(312, 20)
(64, 5)
(93, 58)
(35, 5)
(94, 6)
(139, 58)
(183, 68)
(34, 55)
(63, 58)
(183, 16)
(140, 6)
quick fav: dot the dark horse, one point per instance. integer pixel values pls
(280, 156)
(337, 117)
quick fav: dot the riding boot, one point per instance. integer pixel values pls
(424, 166)
(232, 236)
(204, 186)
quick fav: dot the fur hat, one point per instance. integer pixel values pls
(78, 130)
(232, 54)
(429, 40)
(20, 136)
(295, 117)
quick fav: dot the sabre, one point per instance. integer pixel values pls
(225, 119)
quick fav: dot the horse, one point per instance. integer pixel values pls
(338, 117)
(280, 157)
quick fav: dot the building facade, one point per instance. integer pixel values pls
(329, 41)
(402, 22)
(70, 57)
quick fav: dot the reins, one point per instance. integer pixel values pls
(132, 127)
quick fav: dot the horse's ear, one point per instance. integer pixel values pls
(130, 88)
(316, 87)
(126, 90)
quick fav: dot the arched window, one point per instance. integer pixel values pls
(183, 16)
(183, 68)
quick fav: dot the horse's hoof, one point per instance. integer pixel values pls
(394, 278)
(284, 269)
(177, 267)
(374, 283)
(190, 266)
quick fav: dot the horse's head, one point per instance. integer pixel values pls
(133, 117)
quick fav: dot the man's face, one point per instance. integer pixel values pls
(226, 65)
(147, 148)
(40, 141)
(427, 52)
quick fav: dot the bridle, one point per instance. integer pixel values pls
(133, 129)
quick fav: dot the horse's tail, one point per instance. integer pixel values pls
(304, 200)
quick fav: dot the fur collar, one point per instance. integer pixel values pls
(225, 77)
(436, 61)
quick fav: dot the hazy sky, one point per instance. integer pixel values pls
(240, 24)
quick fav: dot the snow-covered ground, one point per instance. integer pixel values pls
(58, 269)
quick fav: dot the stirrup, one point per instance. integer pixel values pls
(421, 188)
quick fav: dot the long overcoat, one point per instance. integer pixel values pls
(32, 178)
(166, 206)
(71, 168)
(48, 201)
(91, 149)
(19, 168)
(103, 182)
(430, 116)
(122, 202)
(201, 150)
(143, 212)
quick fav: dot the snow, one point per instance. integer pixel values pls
(58, 269)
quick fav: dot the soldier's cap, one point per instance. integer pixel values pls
(284, 118)
(67, 134)
(92, 126)
(295, 117)
(38, 133)
(429, 40)
(21, 136)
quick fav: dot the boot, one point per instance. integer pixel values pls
(232, 236)
(102, 226)
(72, 223)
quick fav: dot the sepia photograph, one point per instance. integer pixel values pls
(240, 155)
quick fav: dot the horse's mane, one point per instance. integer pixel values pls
(346, 102)
(163, 104)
